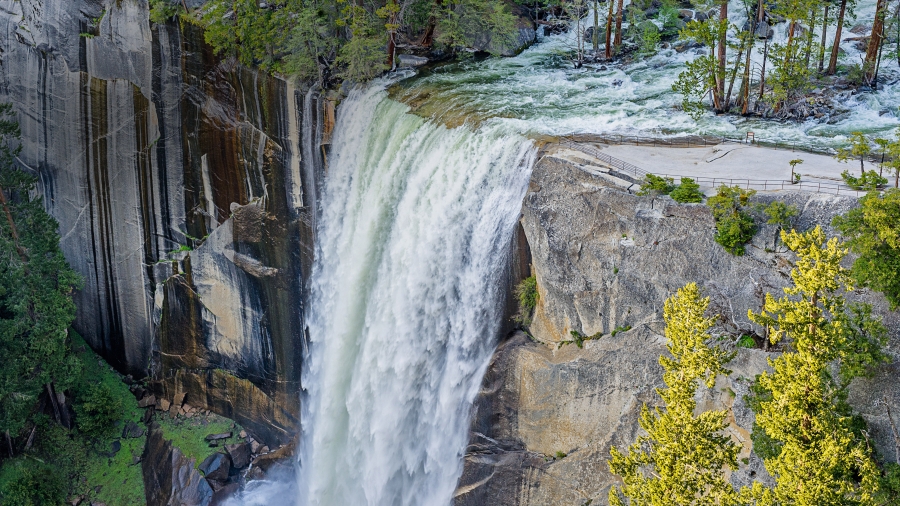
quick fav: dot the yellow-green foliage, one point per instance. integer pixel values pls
(823, 458)
(682, 457)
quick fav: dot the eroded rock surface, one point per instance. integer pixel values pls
(184, 186)
(605, 260)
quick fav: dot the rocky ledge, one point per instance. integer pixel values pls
(605, 260)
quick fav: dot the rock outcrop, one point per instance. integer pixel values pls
(605, 260)
(184, 186)
(169, 477)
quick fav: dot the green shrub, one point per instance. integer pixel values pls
(656, 185)
(688, 192)
(620, 328)
(32, 483)
(734, 231)
(868, 181)
(780, 214)
(763, 445)
(527, 294)
(162, 10)
(97, 410)
(746, 341)
(649, 38)
(734, 226)
(890, 484)
(560, 455)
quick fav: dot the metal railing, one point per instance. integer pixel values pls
(699, 141)
(640, 174)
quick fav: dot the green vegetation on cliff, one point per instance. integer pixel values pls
(92, 460)
(812, 443)
(527, 296)
(873, 232)
(36, 284)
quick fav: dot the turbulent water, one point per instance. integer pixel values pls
(540, 93)
(404, 308)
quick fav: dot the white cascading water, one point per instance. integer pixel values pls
(405, 304)
(405, 301)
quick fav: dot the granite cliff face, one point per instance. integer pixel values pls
(184, 186)
(605, 260)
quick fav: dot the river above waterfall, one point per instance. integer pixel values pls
(539, 92)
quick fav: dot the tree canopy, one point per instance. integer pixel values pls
(872, 231)
(821, 456)
(36, 285)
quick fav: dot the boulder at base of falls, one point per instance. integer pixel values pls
(170, 477)
(240, 454)
(216, 467)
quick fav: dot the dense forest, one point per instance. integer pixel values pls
(742, 69)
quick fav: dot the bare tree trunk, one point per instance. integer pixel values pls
(595, 37)
(745, 106)
(832, 63)
(720, 77)
(734, 71)
(609, 18)
(762, 72)
(791, 29)
(392, 39)
(30, 441)
(875, 42)
(9, 444)
(878, 64)
(428, 37)
(824, 33)
(54, 403)
(619, 14)
(809, 36)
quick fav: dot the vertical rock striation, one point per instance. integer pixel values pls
(185, 188)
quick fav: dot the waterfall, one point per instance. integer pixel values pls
(404, 303)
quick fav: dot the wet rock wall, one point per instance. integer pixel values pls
(185, 188)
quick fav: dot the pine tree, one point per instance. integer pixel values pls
(36, 283)
(682, 457)
(821, 457)
(873, 232)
